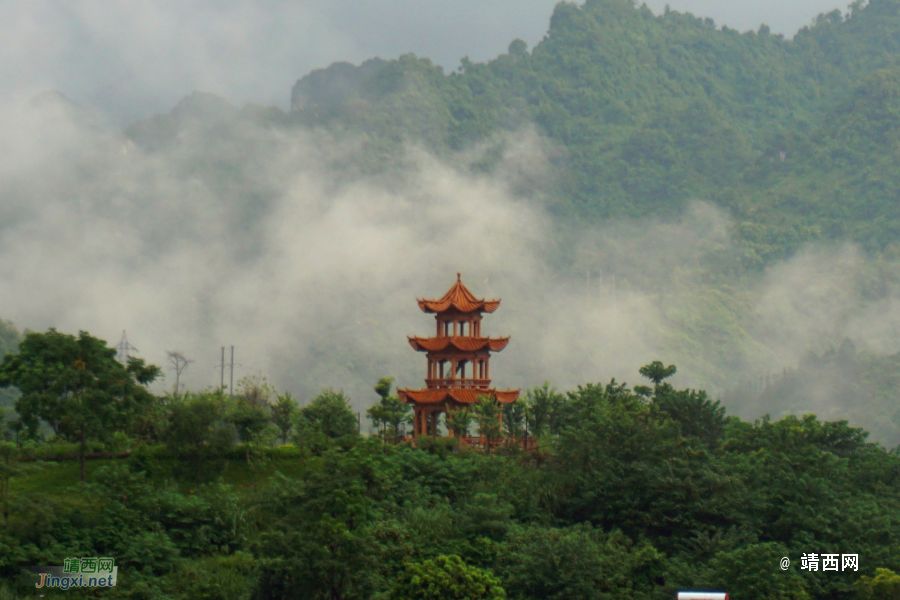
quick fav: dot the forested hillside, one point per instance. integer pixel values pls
(794, 136)
(650, 111)
(623, 493)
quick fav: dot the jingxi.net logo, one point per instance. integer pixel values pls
(79, 572)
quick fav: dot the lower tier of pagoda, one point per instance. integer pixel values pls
(455, 395)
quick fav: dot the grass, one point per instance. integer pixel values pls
(57, 479)
(54, 478)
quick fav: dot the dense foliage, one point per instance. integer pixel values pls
(628, 493)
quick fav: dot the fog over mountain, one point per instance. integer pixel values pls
(242, 234)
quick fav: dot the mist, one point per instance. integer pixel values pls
(237, 233)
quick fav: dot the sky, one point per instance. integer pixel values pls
(130, 60)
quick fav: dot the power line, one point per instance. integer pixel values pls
(231, 365)
(124, 349)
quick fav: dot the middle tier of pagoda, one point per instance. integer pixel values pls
(465, 344)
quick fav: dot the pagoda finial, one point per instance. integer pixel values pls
(458, 277)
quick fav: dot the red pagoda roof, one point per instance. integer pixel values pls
(462, 396)
(465, 344)
(459, 298)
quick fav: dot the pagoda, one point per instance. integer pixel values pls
(458, 358)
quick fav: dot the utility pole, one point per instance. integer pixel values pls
(222, 372)
(231, 373)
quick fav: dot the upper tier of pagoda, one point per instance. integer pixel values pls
(459, 299)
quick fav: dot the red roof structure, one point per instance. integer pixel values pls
(459, 299)
(464, 344)
(458, 358)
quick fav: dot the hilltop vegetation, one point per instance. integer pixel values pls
(630, 493)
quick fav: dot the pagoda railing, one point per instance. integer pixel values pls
(528, 443)
(459, 383)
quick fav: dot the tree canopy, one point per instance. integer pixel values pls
(76, 386)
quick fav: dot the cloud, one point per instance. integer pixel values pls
(240, 234)
(236, 233)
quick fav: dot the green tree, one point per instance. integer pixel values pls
(656, 371)
(250, 421)
(284, 413)
(458, 421)
(885, 585)
(695, 413)
(746, 573)
(446, 578)
(577, 562)
(249, 412)
(77, 386)
(616, 454)
(9, 453)
(487, 415)
(542, 409)
(514, 419)
(9, 344)
(198, 433)
(390, 414)
(329, 414)
(318, 543)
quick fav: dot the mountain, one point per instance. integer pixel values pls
(653, 111)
